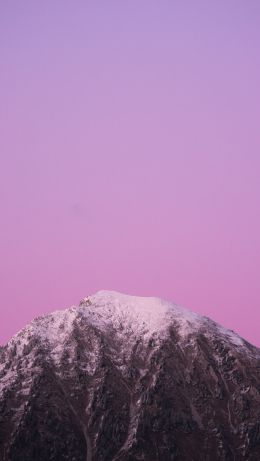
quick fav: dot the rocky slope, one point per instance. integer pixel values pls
(121, 378)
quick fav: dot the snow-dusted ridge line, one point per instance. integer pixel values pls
(122, 372)
(129, 320)
(125, 314)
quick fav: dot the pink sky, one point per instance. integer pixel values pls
(130, 156)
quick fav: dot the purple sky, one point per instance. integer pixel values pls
(130, 155)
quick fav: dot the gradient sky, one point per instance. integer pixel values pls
(130, 155)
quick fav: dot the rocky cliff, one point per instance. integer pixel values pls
(122, 378)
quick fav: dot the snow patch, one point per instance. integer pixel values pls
(145, 316)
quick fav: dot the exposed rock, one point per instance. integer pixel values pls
(122, 378)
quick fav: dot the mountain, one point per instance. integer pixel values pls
(124, 378)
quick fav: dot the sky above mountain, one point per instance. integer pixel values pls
(130, 156)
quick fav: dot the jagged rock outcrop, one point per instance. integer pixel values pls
(121, 378)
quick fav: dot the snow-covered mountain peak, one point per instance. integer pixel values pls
(145, 315)
(123, 377)
(129, 317)
(126, 321)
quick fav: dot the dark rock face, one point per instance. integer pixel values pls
(93, 394)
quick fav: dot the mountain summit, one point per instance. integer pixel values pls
(125, 378)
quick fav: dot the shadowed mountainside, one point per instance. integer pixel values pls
(122, 378)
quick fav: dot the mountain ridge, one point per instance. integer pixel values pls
(121, 377)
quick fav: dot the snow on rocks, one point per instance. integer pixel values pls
(129, 317)
(140, 316)
(130, 320)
